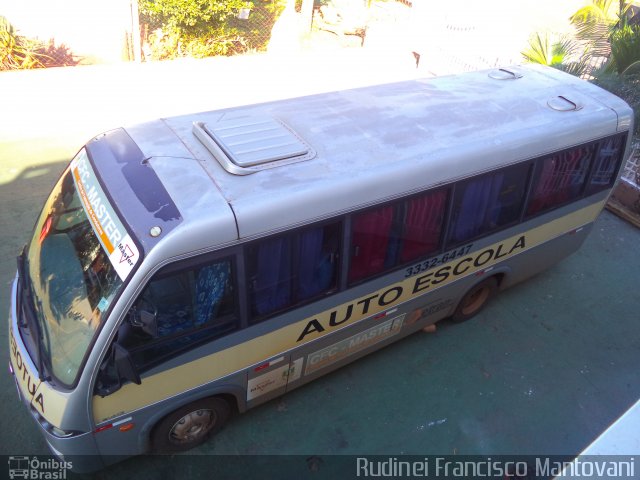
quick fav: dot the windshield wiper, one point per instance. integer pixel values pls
(23, 293)
(33, 310)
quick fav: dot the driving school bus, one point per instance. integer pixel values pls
(191, 267)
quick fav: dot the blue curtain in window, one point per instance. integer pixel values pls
(479, 208)
(211, 284)
(315, 270)
(272, 281)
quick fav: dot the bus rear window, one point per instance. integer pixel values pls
(606, 164)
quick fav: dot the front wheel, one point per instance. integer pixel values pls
(475, 300)
(190, 425)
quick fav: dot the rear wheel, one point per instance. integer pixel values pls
(475, 300)
(190, 425)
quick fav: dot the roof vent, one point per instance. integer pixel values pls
(504, 74)
(245, 145)
(562, 103)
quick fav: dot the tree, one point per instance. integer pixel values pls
(595, 22)
(563, 54)
(190, 17)
(203, 28)
(625, 50)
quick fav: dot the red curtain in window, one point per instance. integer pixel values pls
(561, 178)
(423, 225)
(369, 241)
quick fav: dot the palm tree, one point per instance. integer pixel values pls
(563, 54)
(595, 22)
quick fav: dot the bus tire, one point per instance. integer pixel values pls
(190, 425)
(475, 300)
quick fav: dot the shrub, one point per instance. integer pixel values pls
(18, 52)
(626, 87)
(203, 28)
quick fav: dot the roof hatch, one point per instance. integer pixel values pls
(505, 74)
(563, 103)
(245, 145)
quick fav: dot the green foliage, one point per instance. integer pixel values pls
(604, 33)
(189, 17)
(541, 50)
(18, 52)
(173, 45)
(625, 50)
(203, 28)
(563, 54)
(594, 23)
(626, 87)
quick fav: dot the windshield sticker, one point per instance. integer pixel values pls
(122, 252)
(103, 304)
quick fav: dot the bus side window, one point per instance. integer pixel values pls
(290, 269)
(423, 225)
(395, 234)
(607, 162)
(271, 276)
(560, 179)
(370, 235)
(189, 306)
(488, 202)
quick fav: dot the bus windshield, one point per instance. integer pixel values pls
(71, 278)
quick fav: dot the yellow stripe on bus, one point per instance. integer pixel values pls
(184, 377)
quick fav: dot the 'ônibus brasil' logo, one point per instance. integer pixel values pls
(37, 469)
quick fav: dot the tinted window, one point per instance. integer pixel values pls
(559, 179)
(189, 306)
(395, 234)
(290, 269)
(486, 203)
(606, 164)
(370, 236)
(423, 225)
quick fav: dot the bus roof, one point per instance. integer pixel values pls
(365, 145)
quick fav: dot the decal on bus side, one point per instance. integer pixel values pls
(28, 384)
(352, 345)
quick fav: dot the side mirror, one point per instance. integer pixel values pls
(116, 368)
(124, 364)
